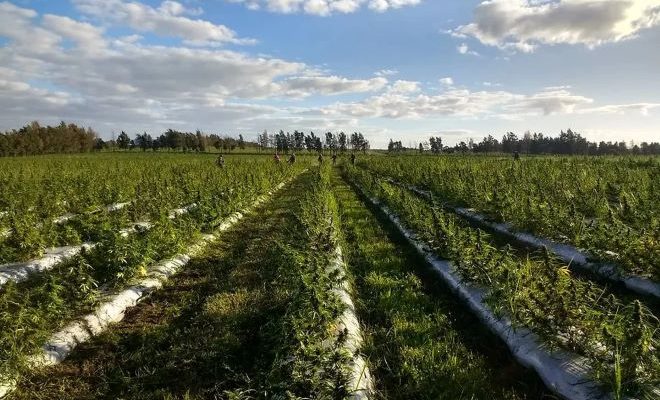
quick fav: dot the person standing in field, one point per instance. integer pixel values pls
(334, 158)
(292, 158)
(353, 158)
(320, 159)
(220, 162)
(276, 158)
(516, 155)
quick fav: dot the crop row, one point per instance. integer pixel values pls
(419, 341)
(617, 337)
(31, 310)
(113, 304)
(56, 185)
(20, 271)
(322, 337)
(607, 206)
(575, 258)
(157, 185)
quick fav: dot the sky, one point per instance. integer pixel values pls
(400, 69)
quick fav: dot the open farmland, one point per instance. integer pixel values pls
(330, 200)
(166, 276)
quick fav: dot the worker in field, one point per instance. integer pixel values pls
(220, 162)
(276, 158)
(516, 155)
(334, 158)
(353, 158)
(320, 159)
(292, 159)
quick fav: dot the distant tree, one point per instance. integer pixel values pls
(435, 143)
(331, 142)
(299, 140)
(462, 147)
(144, 141)
(510, 143)
(358, 142)
(229, 144)
(69, 138)
(99, 144)
(313, 143)
(316, 143)
(395, 147)
(201, 142)
(123, 141)
(263, 140)
(343, 142)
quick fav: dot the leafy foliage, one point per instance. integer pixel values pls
(539, 293)
(609, 206)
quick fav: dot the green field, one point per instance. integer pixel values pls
(275, 281)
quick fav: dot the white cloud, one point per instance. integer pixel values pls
(402, 86)
(448, 81)
(75, 72)
(56, 68)
(386, 72)
(304, 86)
(549, 102)
(86, 36)
(461, 103)
(622, 109)
(16, 24)
(166, 20)
(523, 25)
(324, 7)
(463, 48)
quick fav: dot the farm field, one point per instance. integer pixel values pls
(261, 280)
(608, 206)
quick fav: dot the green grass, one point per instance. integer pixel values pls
(420, 343)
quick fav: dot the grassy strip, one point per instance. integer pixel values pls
(251, 318)
(420, 344)
(617, 337)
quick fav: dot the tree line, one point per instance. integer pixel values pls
(176, 140)
(299, 141)
(34, 139)
(567, 143)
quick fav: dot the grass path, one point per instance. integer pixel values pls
(420, 343)
(212, 332)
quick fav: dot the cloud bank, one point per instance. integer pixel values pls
(324, 7)
(524, 25)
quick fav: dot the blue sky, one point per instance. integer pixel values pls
(402, 69)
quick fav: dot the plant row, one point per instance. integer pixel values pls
(31, 310)
(158, 184)
(418, 339)
(618, 337)
(319, 344)
(577, 259)
(608, 206)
